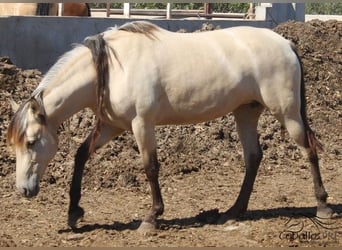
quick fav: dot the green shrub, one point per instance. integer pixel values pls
(217, 7)
(324, 8)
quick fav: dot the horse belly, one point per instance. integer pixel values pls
(177, 116)
(193, 105)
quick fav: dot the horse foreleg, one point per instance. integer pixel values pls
(246, 118)
(75, 211)
(145, 137)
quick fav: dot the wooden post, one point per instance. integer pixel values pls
(108, 9)
(208, 9)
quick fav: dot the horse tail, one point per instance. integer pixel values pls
(311, 141)
(98, 48)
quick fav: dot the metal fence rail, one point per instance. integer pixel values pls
(168, 13)
(175, 13)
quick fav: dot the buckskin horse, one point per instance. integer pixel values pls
(44, 9)
(138, 76)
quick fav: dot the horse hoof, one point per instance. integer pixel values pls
(325, 213)
(221, 220)
(224, 218)
(231, 214)
(146, 227)
(74, 216)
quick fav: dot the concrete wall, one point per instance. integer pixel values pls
(280, 12)
(37, 42)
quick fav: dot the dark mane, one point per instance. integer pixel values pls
(98, 48)
(141, 27)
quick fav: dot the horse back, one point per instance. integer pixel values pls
(186, 78)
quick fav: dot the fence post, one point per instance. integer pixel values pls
(127, 10)
(108, 9)
(60, 9)
(208, 10)
(251, 11)
(168, 10)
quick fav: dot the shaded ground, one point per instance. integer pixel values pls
(201, 171)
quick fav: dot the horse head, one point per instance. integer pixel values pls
(35, 143)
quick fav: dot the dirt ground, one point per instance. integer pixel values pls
(201, 170)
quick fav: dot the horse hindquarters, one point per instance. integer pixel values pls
(289, 107)
(305, 138)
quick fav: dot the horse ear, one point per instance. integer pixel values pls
(36, 110)
(34, 106)
(14, 105)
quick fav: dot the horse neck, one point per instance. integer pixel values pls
(71, 89)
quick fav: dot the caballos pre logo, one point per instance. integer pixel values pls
(311, 229)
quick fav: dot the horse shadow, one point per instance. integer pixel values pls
(209, 217)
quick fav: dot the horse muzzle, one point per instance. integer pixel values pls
(30, 188)
(29, 193)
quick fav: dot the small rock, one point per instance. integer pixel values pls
(75, 237)
(232, 227)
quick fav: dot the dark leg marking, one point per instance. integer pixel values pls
(246, 118)
(157, 209)
(75, 211)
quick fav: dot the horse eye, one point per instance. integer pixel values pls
(30, 143)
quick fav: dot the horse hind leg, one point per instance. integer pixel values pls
(246, 118)
(300, 131)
